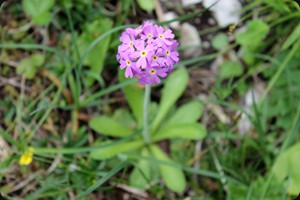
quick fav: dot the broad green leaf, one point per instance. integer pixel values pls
(230, 69)
(42, 19)
(96, 57)
(36, 7)
(174, 87)
(192, 131)
(134, 94)
(173, 177)
(125, 118)
(256, 31)
(187, 113)
(220, 41)
(153, 108)
(292, 38)
(37, 59)
(28, 66)
(287, 168)
(108, 126)
(38, 10)
(113, 150)
(147, 5)
(143, 173)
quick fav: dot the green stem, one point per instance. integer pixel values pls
(146, 133)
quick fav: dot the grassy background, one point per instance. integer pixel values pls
(58, 71)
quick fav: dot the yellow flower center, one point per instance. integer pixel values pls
(168, 52)
(128, 62)
(143, 53)
(161, 36)
(130, 43)
(154, 58)
(149, 35)
(152, 71)
(138, 31)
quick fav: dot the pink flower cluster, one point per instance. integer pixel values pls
(147, 52)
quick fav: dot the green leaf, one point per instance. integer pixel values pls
(38, 10)
(175, 85)
(125, 118)
(25, 67)
(143, 173)
(287, 168)
(230, 69)
(36, 7)
(38, 59)
(220, 41)
(28, 66)
(147, 5)
(42, 19)
(193, 131)
(173, 177)
(108, 126)
(292, 38)
(256, 31)
(188, 113)
(134, 94)
(113, 150)
(96, 57)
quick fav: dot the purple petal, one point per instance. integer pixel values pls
(135, 55)
(143, 62)
(168, 34)
(154, 79)
(144, 81)
(128, 72)
(167, 42)
(123, 64)
(161, 73)
(125, 37)
(159, 30)
(123, 47)
(138, 63)
(149, 47)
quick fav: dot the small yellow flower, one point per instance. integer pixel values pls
(26, 157)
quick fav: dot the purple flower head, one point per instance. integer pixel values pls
(148, 53)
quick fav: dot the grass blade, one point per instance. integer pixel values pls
(103, 179)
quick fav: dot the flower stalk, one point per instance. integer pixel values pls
(146, 133)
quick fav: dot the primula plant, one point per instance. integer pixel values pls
(148, 52)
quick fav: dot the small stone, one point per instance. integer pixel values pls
(170, 16)
(189, 36)
(187, 3)
(226, 12)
